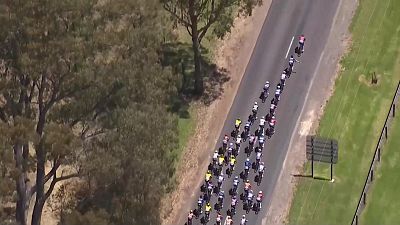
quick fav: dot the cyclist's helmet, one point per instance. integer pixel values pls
(247, 160)
(260, 192)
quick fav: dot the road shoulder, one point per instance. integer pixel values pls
(327, 69)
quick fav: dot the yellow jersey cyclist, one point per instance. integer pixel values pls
(232, 161)
(238, 122)
(208, 176)
(221, 160)
(208, 208)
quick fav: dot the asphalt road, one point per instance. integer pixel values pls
(286, 19)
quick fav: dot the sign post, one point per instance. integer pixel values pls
(321, 150)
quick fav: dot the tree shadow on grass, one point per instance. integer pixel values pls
(179, 56)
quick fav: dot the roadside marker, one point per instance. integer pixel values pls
(291, 42)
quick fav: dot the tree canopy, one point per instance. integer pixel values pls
(82, 94)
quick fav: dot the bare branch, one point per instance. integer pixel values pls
(67, 177)
(214, 15)
(47, 176)
(173, 13)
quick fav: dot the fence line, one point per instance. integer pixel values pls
(377, 157)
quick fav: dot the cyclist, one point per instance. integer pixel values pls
(208, 176)
(262, 122)
(272, 122)
(292, 60)
(252, 138)
(208, 209)
(250, 197)
(272, 109)
(190, 217)
(229, 220)
(259, 198)
(255, 109)
(215, 157)
(230, 151)
(258, 157)
(278, 94)
(233, 204)
(266, 87)
(232, 162)
(210, 187)
(247, 127)
(261, 140)
(235, 184)
(221, 196)
(238, 141)
(247, 165)
(247, 186)
(219, 218)
(261, 169)
(243, 221)
(220, 179)
(225, 141)
(302, 39)
(283, 78)
(200, 203)
(238, 122)
(221, 159)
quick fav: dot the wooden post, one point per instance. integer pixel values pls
(379, 154)
(386, 132)
(372, 175)
(394, 109)
(312, 157)
(365, 198)
(332, 161)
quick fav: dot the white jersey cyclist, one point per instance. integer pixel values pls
(261, 168)
(262, 122)
(255, 107)
(258, 156)
(221, 178)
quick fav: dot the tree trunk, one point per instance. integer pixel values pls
(40, 198)
(40, 173)
(198, 76)
(20, 213)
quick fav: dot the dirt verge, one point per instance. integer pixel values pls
(232, 55)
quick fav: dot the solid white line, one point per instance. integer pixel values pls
(291, 42)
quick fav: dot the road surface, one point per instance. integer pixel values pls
(286, 20)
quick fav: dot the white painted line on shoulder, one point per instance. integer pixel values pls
(291, 42)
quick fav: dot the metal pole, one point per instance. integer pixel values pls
(356, 219)
(331, 171)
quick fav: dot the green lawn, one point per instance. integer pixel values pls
(354, 116)
(383, 199)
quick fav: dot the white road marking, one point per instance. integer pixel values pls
(291, 42)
